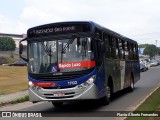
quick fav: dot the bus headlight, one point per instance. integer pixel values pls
(30, 84)
(91, 79)
(33, 86)
(88, 82)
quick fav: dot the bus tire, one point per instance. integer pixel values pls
(106, 99)
(131, 87)
(57, 104)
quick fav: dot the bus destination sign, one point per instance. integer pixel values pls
(58, 29)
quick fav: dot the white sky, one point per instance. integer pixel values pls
(136, 19)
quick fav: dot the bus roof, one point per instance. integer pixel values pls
(112, 33)
(92, 24)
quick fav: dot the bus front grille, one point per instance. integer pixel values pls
(66, 95)
(58, 87)
(58, 77)
(59, 97)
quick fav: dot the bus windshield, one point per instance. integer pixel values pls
(64, 55)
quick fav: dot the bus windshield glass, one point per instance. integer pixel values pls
(65, 55)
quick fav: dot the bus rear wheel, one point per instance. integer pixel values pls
(57, 104)
(106, 99)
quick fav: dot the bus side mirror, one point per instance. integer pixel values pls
(21, 50)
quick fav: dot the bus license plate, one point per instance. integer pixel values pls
(58, 94)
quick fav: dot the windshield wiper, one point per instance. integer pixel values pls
(64, 49)
(67, 45)
(46, 49)
(84, 50)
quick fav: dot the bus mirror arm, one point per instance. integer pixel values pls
(21, 49)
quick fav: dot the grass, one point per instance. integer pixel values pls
(20, 100)
(13, 79)
(151, 104)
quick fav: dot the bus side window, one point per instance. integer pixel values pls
(108, 47)
(113, 48)
(123, 50)
(126, 50)
(98, 44)
(117, 49)
(130, 49)
(132, 52)
(120, 49)
(137, 57)
(136, 52)
(110, 41)
(98, 36)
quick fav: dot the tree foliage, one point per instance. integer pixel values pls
(158, 51)
(7, 44)
(143, 45)
(151, 50)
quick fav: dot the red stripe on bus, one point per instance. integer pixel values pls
(43, 84)
(80, 64)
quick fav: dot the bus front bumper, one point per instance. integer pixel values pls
(67, 94)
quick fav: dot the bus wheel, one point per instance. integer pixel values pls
(57, 104)
(106, 99)
(131, 87)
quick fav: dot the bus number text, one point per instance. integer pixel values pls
(72, 83)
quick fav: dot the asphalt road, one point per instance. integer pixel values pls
(123, 101)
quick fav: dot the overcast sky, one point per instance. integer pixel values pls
(136, 19)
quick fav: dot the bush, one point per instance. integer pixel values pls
(7, 44)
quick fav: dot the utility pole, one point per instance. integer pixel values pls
(156, 42)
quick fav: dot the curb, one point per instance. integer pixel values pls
(153, 90)
(13, 96)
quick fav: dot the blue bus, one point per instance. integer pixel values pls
(69, 61)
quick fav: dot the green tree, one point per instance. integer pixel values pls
(7, 44)
(143, 45)
(158, 51)
(151, 50)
